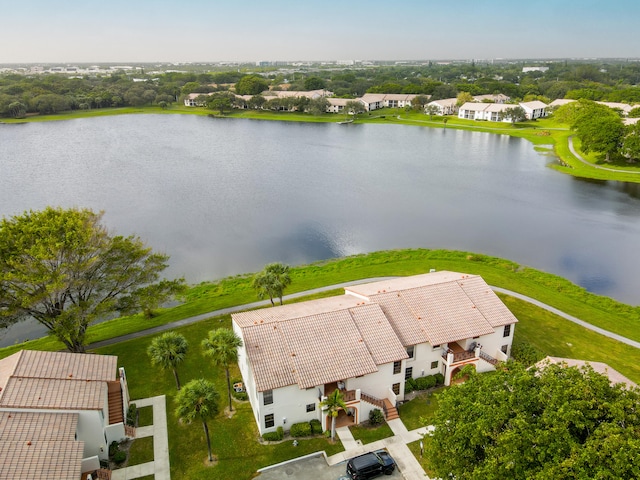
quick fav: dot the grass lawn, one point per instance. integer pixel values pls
(367, 434)
(145, 416)
(141, 451)
(419, 411)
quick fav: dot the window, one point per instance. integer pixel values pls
(436, 347)
(396, 388)
(408, 373)
(396, 367)
(434, 364)
(311, 407)
(269, 421)
(267, 397)
(504, 349)
(410, 351)
(507, 331)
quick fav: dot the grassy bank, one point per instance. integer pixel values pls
(542, 132)
(551, 289)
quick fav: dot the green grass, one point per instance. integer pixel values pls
(419, 411)
(141, 451)
(551, 289)
(367, 434)
(415, 449)
(145, 416)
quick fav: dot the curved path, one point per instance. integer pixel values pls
(579, 157)
(263, 303)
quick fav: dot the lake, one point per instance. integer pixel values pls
(226, 196)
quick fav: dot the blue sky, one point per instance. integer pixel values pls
(250, 30)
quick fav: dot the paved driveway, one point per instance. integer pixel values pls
(312, 467)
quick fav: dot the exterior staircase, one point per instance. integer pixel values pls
(390, 412)
(116, 409)
(488, 358)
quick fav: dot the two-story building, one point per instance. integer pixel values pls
(367, 343)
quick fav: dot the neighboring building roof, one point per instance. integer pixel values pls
(534, 105)
(41, 459)
(61, 380)
(445, 102)
(558, 102)
(37, 426)
(39, 445)
(317, 342)
(475, 106)
(615, 377)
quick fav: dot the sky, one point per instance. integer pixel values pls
(88, 31)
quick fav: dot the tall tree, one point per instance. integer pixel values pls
(63, 268)
(599, 128)
(272, 281)
(198, 400)
(168, 350)
(333, 404)
(354, 107)
(515, 114)
(251, 85)
(222, 346)
(555, 422)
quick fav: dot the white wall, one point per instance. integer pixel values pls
(91, 432)
(289, 403)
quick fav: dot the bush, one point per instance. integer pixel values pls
(120, 457)
(132, 415)
(300, 429)
(316, 426)
(424, 383)
(376, 417)
(409, 385)
(113, 448)
(439, 379)
(274, 436)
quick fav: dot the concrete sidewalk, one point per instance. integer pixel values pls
(159, 468)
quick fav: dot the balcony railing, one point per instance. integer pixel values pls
(460, 356)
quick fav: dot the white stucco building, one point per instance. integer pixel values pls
(367, 343)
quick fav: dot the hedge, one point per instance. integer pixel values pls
(302, 429)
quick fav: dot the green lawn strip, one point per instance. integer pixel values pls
(418, 412)
(368, 434)
(555, 336)
(234, 441)
(415, 449)
(141, 451)
(145, 416)
(551, 289)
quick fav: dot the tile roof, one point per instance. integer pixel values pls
(36, 426)
(80, 366)
(53, 393)
(317, 342)
(41, 459)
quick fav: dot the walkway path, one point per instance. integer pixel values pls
(579, 157)
(263, 303)
(159, 467)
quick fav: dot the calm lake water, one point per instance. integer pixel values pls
(226, 196)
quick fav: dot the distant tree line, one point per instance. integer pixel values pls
(52, 93)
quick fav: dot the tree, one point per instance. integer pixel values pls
(354, 107)
(198, 400)
(17, 109)
(515, 114)
(220, 101)
(251, 85)
(631, 142)
(431, 110)
(63, 268)
(554, 422)
(463, 97)
(168, 350)
(420, 102)
(256, 102)
(314, 83)
(333, 404)
(222, 346)
(272, 281)
(599, 128)
(318, 106)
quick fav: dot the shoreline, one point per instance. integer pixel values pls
(545, 134)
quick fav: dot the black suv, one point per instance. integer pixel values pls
(370, 465)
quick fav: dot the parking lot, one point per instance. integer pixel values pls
(312, 467)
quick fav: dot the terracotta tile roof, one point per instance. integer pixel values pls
(80, 366)
(41, 459)
(37, 426)
(318, 342)
(53, 393)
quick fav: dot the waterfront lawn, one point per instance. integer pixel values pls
(368, 434)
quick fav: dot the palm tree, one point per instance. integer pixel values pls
(222, 346)
(272, 281)
(198, 400)
(168, 350)
(333, 404)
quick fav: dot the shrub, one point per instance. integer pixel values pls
(113, 448)
(300, 429)
(376, 417)
(424, 383)
(120, 457)
(274, 436)
(526, 353)
(439, 379)
(409, 385)
(316, 426)
(132, 415)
